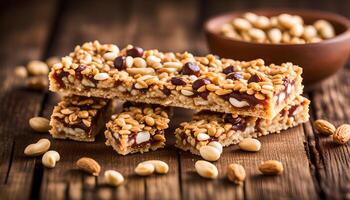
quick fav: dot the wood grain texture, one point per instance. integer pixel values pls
(315, 168)
(25, 29)
(331, 102)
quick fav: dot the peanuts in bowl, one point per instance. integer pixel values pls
(280, 29)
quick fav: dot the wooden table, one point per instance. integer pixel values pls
(315, 168)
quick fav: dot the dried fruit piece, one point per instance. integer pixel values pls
(89, 165)
(236, 173)
(342, 134)
(324, 127)
(271, 167)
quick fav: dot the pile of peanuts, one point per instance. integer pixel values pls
(284, 28)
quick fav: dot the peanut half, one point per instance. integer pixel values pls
(236, 173)
(50, 158)
(250, 144)
(89, 165)
(209, 153)
(206, 169)
(39, 124)
(37, 148)
(114, 178)
(342, 134)
(271, 167)
(144, 169)
(324, 127)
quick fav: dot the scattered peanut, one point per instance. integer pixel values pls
(144, 169)
(37, 148)
(50, 158)
(21, 72)
(206, 169)
(38, 83)
(342, 134)
(37, 67)
(161, 167)
(209, 153)
(89, 165)
(324, 127)
(114, 178)
(271, 167)
(250, 144)
(39, 124)
(236, 173)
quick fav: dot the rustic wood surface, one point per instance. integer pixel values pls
(315, 168)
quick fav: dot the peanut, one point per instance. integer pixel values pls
(114, 178)
(89, 165)
(37, 67)
(324, 127)
(209, 153)
(160, 167)
(342, 134)
(50, 158)
(271, 167)
(144, 169)
(206, 169)
(37, 148)
(40, 124)
(236, 173)
(250, 144)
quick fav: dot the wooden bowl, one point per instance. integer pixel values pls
(318, 60)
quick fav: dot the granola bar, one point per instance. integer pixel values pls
(229, 129)
(80, 118)
(138, 128)
(177, 79)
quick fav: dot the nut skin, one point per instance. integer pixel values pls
(342, 134)
(324, 127)
(89, 165)
(271, 167)
(236, 173)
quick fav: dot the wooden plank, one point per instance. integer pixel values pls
(25, 28)
(331, 102)
(117, 29)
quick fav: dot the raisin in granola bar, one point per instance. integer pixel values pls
(229, 129)
(138, 128)
(80, 118)
(177, 79)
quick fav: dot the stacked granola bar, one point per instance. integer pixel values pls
(246, 99)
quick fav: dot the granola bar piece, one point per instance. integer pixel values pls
(177, 79)
(80, 118)
(229, 129)
(138, 128)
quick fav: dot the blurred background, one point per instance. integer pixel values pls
(167, 25)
